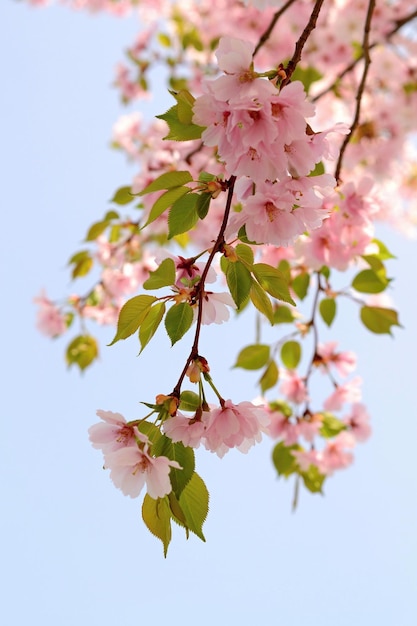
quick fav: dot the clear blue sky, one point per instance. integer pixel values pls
(75, 551)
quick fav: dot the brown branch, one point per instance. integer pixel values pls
(216, 248)
(266, 35)
(398, 24)
(361, 88)
(292, 64)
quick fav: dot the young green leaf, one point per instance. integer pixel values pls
(253, 357)
(239, 281)
(331, 426)
(189, 401)
(313, 479)
(194, 502)
(261, 301)
(284, 461)
(178, 320)
(157, 516)
(183, 215)
(270, 377)
(203, 204)
(165, 201)
(300, 284)
(82, 351)
(369, 281)
(163, 276)
(327, 310)
(291, 354)
(123, 196)
(178, 130)
(150, 324)
(132, 314)
(283, 315)
(273, 281)
(168, 180)
(379, 320)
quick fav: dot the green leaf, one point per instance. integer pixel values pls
(132, 314)
(313, 479)
(253, 357)
(300, 284)
(239, 281)
(185, 106)
(194, 502)
(165, 201)
(96, 230)
(368, 281)
(283, 460)
(379, 320)
(270, 377)
(327, 310)
(307, 75)
(261, 301)
(150, 324)
(203, 204)
(331, 426)
(123, 196)
(384, 254)
(163, 276)
(177, 513)
(291, 354)
(169, 180)
(189, 401)
(82, 262)
(178, 320)
(273, 281)
(184, 457)
(151, 431)
(318, 170)
(283, 315)
(82, 351)
(244, 254)
(375, 264)
(179, 130)
(183, 215)
(157, 516)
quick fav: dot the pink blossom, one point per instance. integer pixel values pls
(358, 422)
(132, 467)
(113, 433)
(181, 428)
(234, 55)
(49, 320)
(280, 426)
(344, 362)
(334, 456)
(234, 426)
(343, 394)
(215, 307)
(310, 428)
(293, 386)
(306, 458)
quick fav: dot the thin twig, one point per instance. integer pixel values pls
(266, 35)
(217, 246)
(398, 24)
(361, 88)
(292, 64)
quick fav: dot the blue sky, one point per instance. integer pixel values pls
(75, 550)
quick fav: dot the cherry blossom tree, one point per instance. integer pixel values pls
(291, 135)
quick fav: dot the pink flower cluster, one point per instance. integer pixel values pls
(220, 429)
(126, 454)
(262, 134)
(49, 320)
